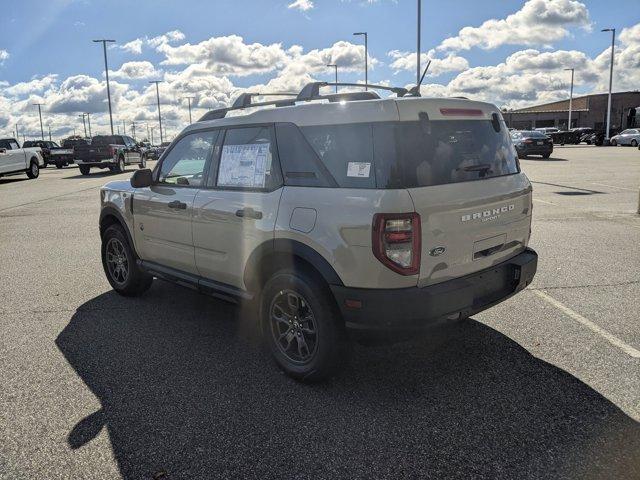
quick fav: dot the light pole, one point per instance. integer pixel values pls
(49, 126)
(40, 114)
(336, 72)
(189, 100)
(366, 56)
(89, 123)
(570, 97)
(152, 128)
(613, 43)
(106, 72)
(418, 72)
(133, 129)
(158, 98)
(84, 125)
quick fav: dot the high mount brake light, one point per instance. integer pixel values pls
(397, 241)
(461, 112)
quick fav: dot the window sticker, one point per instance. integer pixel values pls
(244, 165)
(358, 169)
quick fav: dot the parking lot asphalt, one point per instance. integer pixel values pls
(170, 385)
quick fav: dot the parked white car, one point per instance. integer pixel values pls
(14, 159)
(630, 136)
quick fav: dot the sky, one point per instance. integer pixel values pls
(511, 53)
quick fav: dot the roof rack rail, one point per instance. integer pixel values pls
(244, 101)
(311, 91)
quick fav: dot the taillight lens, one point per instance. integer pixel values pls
(397, 241)
(112, 151)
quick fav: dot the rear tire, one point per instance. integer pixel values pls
(143, 162)
(546, 155)
(634, 143)
(614, 143)
(84, 170)
(34, 170)
(119, 168)
(59, 165)
(120, 264)
(302, 326)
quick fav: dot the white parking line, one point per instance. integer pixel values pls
(613, 186)
(543, 201)
(612, 339)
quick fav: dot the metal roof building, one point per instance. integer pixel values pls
(587, 111)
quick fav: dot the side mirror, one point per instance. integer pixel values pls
(141, 178)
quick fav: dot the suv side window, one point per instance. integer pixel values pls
(247, 160)
(301, 167)
(346, 151)
(186, 162)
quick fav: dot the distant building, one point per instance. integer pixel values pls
(587, 111)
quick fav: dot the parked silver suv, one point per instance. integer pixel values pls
(337, 216)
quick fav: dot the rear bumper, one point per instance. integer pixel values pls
(416, 308)
(97, 163)
(535, 150)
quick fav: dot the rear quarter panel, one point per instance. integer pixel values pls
(342, 230)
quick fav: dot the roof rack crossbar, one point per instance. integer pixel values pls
(245, 99)
(311, 91)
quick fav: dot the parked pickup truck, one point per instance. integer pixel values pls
(52, 153)
(14, 159)
(109, 151)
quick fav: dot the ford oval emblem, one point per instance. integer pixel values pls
(437, 251)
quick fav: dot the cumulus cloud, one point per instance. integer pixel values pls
(135, 70)
(538, 22)
(134, 46)
(36, 84)
(302, 5)
(438, 66)
(207, 71)
(3, 55)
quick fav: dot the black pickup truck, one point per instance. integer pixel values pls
(109, 151)
(52, 153)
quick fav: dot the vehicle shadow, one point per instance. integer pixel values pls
(550, 159)
(186, 394)
(7, 180)
(97, 174)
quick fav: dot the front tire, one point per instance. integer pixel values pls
(120, 264)
(302, 326)
(119, 168)
(143, 162)
(84, 170)
(546, 155)
(634, 143)
(34, 170)
(614, 143)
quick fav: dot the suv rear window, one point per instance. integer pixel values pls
(412, 154)
(107, 140)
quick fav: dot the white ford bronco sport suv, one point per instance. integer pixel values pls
(336, 215)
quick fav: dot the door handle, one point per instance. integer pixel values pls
(177, 204)
(248, 213)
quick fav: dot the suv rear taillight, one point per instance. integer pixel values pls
(396, 241)
(112, 151)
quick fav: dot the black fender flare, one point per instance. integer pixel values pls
(292, 248)
(113, 212)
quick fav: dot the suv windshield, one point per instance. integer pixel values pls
(412, 154)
